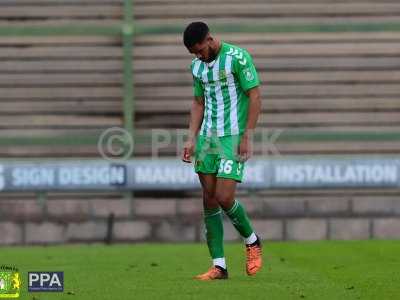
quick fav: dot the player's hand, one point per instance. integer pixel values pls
(188, 150)
(245, 148)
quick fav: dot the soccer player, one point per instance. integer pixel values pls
(224, 113)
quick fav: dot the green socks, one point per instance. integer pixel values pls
(239, 219)
(214, 232)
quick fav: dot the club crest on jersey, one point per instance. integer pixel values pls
(248, 74)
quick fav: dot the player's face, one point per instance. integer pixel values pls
(203, 50)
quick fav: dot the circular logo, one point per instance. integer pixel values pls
(115, 144)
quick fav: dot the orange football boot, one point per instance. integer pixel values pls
(215, 272)
(253, 258)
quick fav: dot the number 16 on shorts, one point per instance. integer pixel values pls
(230, 169)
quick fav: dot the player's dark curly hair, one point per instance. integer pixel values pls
(195, 33)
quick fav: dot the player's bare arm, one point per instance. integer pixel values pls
(245, 149)
(196, 118)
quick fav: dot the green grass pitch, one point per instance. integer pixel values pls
(292, 270)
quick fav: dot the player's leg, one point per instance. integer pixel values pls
(206, 169)
(214, 229)
(234, 209)
(213, 220)
(230, 172)
(225, 195)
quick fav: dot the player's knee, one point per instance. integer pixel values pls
(210, 201)
(208, 195)
(224, 199)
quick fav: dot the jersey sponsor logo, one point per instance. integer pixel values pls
(221, 80)
(248, 74)
(215, 83)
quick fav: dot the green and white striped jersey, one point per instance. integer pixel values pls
(223, 83)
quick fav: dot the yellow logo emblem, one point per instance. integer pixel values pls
(10, 282)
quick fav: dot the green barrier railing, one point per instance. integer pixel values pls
(127, 39)
(287, 135)
(115, 30)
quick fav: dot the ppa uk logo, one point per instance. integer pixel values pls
(45, 281)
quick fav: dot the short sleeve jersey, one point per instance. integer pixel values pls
(223, 83)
